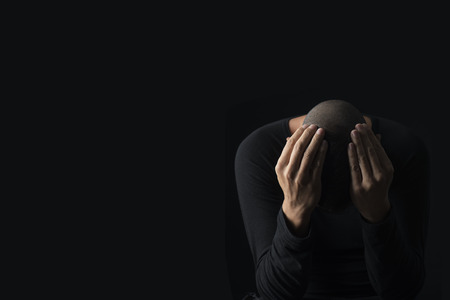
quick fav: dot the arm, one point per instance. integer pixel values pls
(280, 239)
(393, 231)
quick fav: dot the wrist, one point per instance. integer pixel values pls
(378, 216)
(297, 219)
(299, 210)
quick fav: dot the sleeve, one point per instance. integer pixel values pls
(394, 248)
(282, 260)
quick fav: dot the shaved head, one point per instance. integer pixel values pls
(338, 118)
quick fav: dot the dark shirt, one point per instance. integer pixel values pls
(342, 255)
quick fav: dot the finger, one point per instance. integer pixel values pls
(363, 161)
(300, 148)
(368, 139)
(355, 171)
(310, 152)
(384, 160)
(283, 160)
(374, 138)
(319, 160)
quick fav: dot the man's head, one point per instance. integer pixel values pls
(338, 118)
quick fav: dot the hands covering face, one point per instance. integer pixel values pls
(300, 165)
(371, 174)
(299, 170)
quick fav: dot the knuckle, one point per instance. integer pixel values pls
(369, 182)
(298, 146)
(378, 177)
(362, 156)
(289, 176)
(278, 168)
(355, 168)
(302, 144)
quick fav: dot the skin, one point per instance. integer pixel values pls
(295, 123)
(300, 165)
(298, 170)
(371, 173)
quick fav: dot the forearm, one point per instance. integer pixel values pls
(283, 269)
(395, 269)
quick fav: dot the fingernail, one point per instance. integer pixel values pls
(354, 133)
(304, 126)
(359, 127)
(313, 126)
(320, 131)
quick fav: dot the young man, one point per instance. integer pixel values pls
(335, 205)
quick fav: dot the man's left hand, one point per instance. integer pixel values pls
(371, 174)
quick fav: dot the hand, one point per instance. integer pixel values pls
(299, 170)
(371, 174)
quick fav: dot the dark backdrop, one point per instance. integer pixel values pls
(418, 107)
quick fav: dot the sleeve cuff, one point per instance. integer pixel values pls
(286, 237)
(382, 229)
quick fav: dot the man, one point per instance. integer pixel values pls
(335, 205)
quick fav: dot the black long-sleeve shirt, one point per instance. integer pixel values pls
(342, 255)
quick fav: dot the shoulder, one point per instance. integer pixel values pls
(265, 138)
(400, 134)
(260, 150)
(402, 144)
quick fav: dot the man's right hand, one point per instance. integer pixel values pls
(299, 171)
